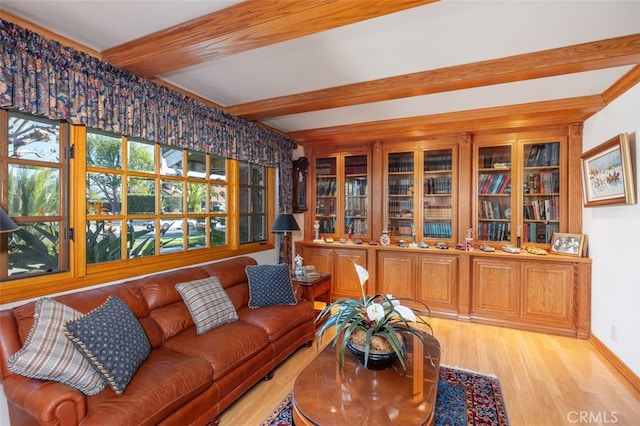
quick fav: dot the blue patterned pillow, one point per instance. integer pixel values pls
(111, 338)
(270, 285)
(208, 303)
(47, 354)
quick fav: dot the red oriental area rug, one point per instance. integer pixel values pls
(464, 398)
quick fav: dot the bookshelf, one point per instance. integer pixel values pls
(439, 197)
(494, 193)
(342, 199)
(499, 184)
(541, 192)
(325, 194)
(356, 195)
(520, 190)
(400, 194)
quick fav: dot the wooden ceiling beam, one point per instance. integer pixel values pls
(548, 113)
(577, 58)
(244, 26)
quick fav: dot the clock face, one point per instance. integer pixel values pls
(385, 240)
(507, 213)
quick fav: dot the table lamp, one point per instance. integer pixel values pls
(6, 224)
(285, 223)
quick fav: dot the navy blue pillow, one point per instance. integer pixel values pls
(113, 340)
(270, 285)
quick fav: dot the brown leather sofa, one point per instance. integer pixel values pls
(187, 378)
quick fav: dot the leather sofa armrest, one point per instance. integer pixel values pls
(297, 290)
(48, 403)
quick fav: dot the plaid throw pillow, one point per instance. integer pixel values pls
(208, 303)
(49, 355)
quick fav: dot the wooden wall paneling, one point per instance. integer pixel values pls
(320, 257)
(464, 186)
(496, 288)
(377, 191)
(548, 292)
(465, 277)
(437, 282)
(583, 299)
(345, 280)
(574, 179)
(396, 274)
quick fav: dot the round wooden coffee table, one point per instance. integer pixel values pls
(322, 395)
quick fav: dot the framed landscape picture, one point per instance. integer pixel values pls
(607, 176)
(569, 244)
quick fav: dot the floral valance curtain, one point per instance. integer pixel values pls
(43, 77)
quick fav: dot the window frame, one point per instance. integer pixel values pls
(81, 275)
(250, 187)
(62, 166)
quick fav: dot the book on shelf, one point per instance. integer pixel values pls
(505, 184)
(502, 165)
(543, 154)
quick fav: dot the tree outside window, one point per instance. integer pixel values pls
(34, 170)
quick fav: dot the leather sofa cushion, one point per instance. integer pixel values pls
(276, 321)
(163, 383)
(172, 319)
(85, 301)
(230, 272)
(226, 347)
(159, 289)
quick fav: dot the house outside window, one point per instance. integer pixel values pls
(176, 199)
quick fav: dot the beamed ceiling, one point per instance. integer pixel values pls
(352, 71)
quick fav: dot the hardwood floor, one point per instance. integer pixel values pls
(546, 380)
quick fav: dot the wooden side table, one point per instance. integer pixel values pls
(314, 287)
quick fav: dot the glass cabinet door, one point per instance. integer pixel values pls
(400, 189)
(540, 192)
(494, 193)
(356, 194)
(326, 188)
(438, 200)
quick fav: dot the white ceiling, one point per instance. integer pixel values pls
(437, 35)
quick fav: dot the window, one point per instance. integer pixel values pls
(253, 202)
(33, 169)
(132, 207)
(175, 199)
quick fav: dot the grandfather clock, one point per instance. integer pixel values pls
(300, 167)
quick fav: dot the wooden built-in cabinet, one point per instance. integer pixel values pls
(419, 191)
(538, 293)
(435, 275)
(507, 188)
(338, 260)
(341, 194)
(520, 188)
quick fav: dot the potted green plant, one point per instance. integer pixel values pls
(374, 324)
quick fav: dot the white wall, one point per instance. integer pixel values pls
(613, 234)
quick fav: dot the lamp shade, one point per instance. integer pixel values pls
(6, 224)
(285, 222)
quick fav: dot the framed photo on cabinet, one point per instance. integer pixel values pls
(569, 244)
(607, 176)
